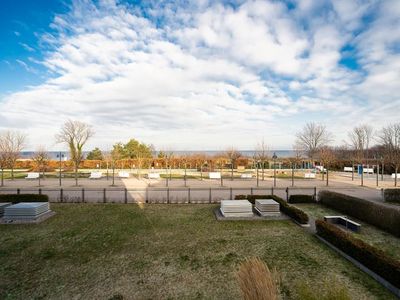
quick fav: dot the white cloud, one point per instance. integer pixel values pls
(207, 76)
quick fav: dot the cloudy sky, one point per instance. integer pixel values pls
(204, 75)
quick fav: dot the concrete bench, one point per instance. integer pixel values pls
(348, 169)
(95, 175)
(309, 175)
(32, 175)
(214, 175)
(123, 174)
(153, 175)
(246, 176)
(347, 223)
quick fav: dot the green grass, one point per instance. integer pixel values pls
(370, 234)
(94, 251)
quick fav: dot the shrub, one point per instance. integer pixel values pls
(256, 281)
(377, 214)
(293, 212)
(301, 199)
(371, 257)
(241, 197)
(391, 195)
(14, 198)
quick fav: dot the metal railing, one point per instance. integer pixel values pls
(156, 195)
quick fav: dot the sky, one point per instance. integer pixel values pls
(198, 75)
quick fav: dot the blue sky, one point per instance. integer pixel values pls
(198, 74)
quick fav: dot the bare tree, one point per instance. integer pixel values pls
(262, 155)
(327, 157)
(41, 160)
(233, 155)
(3, 156)
(312, 137)
(360, 139)
(12, 143)
(389, 136)
(75, 134)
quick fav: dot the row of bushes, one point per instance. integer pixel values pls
(301, 199)
(391, 195)
(371, 257)
(14, 198)
(374, 213)
(293, 212)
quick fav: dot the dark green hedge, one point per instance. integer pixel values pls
(293, 212)
(14, 198)
(374, 259)
(391, 195)
(301, 199)
(374, 213)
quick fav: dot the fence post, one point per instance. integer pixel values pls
(104, 195)
(61, 195)
(209, 196)
(272, 191)
(126, 195)
(287, 194)
(83, 195)
(315, 193)
(168, 195)
(40, 191)
(251, 191)
(189, 195)
(18, 191)
(230, 190)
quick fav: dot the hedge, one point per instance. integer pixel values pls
(374, 213)
(14, 198)
(293, 212)
(373, 258)
(301, 199)
(391, 195)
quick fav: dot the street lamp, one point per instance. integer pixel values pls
(60, 156)
(274, 157)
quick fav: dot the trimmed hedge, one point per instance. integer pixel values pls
(14, 198)
(391, 195)
(374, 213)
(293, 212)
(301, 199)
(374, 259)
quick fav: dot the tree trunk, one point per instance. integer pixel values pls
(262, 171)
(395, 176)
(327, 177)
(76, 174)
(12, 173)
(2, 177)
(113, 174)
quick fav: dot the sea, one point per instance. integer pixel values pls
(246, 153)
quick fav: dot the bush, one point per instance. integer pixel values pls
(376, 214)
(301, 199)
(371, 257)
(256, 281)
(14, 198)
(293, 212)
(391, 195)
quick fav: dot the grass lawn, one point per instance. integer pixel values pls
(94, 251)
(370, 234)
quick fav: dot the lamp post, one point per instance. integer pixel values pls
(60, 156)
(274, 157)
